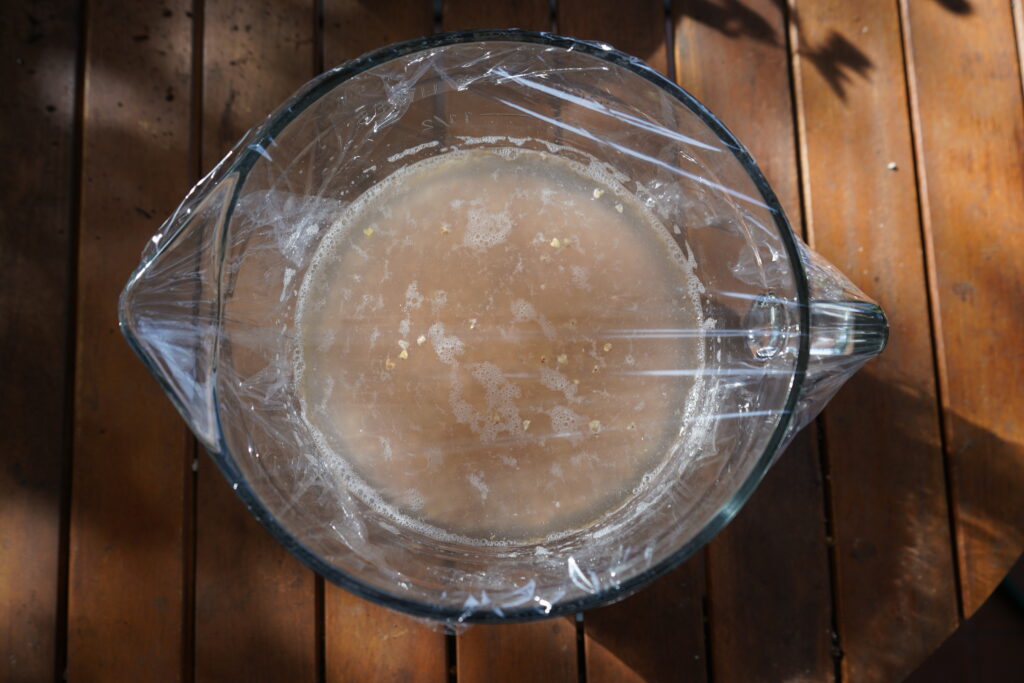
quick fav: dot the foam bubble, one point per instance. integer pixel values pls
(566, 423)
(478, 483)
(412, 150)
(501, 414)
(413, 298)
(437, 301)
(446, 347)
(556, 381)
(580, 278)
(523, 311)
(412, 499)
(485, 229)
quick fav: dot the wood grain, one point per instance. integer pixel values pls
(366, 642)
(509, 653)
(354, 27)
(38, 66)
(895, 589)
(462, 15)
(768, 570)
(966, 89)
(131, 450)
(363, 641)
(769, 584)
(657, 634)
(255, 603)
(637, 29)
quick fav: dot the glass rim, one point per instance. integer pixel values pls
(326, 82)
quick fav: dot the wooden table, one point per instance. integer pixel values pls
(892, 131)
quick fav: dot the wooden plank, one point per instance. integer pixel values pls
(38, 49)
(534, 651)
(768, 570)
(352, 27)
(463, 15)
(255, 603)
(966, 89)
(895, 590)
(364, 641)
(657, 634)
(637, 29)
(769, 583)
(131, 450)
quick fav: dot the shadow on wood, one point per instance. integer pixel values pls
(906, 541)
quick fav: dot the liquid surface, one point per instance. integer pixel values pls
(489, 345)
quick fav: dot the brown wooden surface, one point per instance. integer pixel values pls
(126, 577)
(461, 15)
(366, 642)
(906, 511)
(966, 92)
(894, 586)
(655, 635)
(255, 615)
(36, 206)
(536, 651)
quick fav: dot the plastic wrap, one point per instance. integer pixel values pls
(667, 390)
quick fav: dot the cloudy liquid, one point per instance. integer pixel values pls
(489, 346)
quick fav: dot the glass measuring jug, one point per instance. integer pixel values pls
(214, 310)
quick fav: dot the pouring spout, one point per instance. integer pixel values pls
(844, 335)
(169, 310)
(847, 329)
(852, 330)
